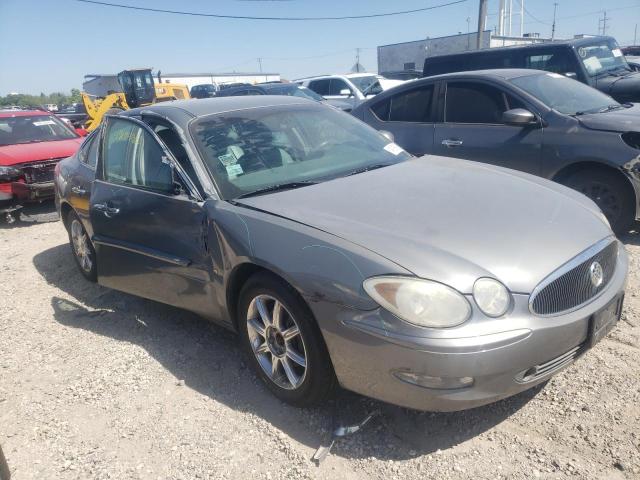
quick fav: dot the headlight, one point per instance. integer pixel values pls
(491, 296)
(421, 302)
(9, 173)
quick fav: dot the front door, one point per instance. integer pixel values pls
(150, 235)
(473, 129)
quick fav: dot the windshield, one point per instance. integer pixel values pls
(601, 57)
(32, 129)
(296, 91)
(564, 94)
(260, 148)
(367, 84)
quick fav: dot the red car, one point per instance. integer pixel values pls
(31, 144)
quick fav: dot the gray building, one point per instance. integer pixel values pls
(411, 55)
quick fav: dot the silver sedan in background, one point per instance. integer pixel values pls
(431, 283)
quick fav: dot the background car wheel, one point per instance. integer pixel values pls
(283, 342)
(81, 247)
(610, 192)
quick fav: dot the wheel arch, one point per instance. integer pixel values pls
(65, 209)
(239, 276)
(562, 175)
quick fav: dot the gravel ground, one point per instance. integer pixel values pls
(99, 384)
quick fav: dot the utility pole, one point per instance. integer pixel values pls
(635, 35)
(357, 60)
(553, 26)
(469, 33)
(522, 18)
(604, 23)
(482, 18)
(260, 64)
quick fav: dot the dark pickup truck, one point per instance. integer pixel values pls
(596, 61)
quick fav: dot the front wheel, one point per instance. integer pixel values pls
(283, 342)
(81, 247)
(610, 192)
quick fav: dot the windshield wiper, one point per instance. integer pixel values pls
(277, 188)
(368, 168)
(606, 109)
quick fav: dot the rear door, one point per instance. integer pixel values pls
(149, 228)
(409, 116)
(470, 126)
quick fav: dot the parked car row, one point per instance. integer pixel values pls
(338, 257)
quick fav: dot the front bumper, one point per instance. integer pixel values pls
(33, 192)
(500, 354)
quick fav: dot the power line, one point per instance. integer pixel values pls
(246, 17)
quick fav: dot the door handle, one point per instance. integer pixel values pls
(450, 142)
(78, 190)
(107, 210)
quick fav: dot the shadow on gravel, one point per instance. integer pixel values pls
(633, 237)
(209, 361)
(33, 214)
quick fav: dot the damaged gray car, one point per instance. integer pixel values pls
(436, 284)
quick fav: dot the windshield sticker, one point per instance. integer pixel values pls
(592, 64)
(234, 170)
(44, 122)
(582, 52)
(393, 148)
(616, 52)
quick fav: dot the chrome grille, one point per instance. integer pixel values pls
(571, 286)
(551, 366)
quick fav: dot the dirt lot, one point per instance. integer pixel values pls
(98, 384)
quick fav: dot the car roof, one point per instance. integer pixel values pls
(183, 110)
(576, 42)
(23, 113)
(500, 73)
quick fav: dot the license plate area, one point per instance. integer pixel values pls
(602, 322)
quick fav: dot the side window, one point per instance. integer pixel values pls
(321, 87)
(411, 106)
(468, 102)
(133, 157)
(89, 149)
(558, 61)
(337, 85)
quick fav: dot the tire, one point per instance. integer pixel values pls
(293, 383)
(610, 192)
(81, 247)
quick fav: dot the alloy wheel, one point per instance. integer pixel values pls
(81, 246)
(277, 342)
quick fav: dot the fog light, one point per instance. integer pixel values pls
(439, 383)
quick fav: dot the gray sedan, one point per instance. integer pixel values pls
(538, 122)
(436, 284)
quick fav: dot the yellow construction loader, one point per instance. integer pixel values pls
(138, 90)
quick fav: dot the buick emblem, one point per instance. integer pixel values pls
(596, 274)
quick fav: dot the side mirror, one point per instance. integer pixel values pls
(345, 92)
(388, 135)
(82, 132)
(518, 117)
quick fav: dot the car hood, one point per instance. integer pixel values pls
(621, 120)
(623, 86)
(450, 220)
(34, 152)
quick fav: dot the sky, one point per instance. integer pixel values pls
(49, 45)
